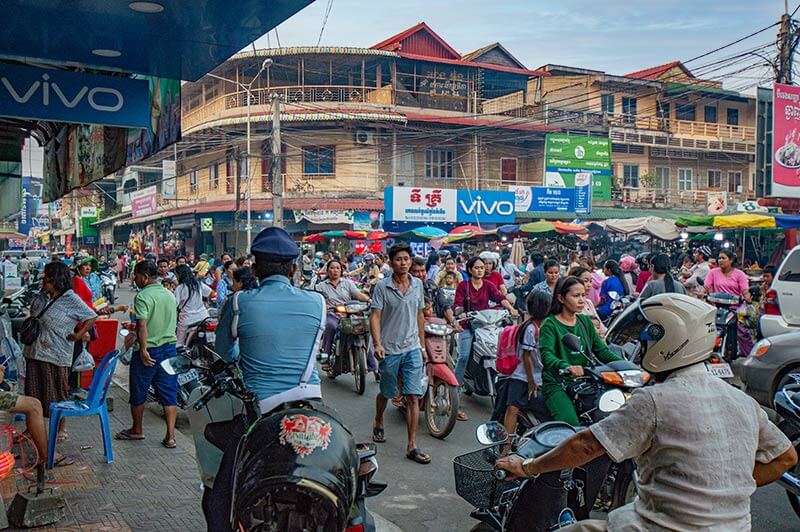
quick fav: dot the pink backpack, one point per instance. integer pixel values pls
(507, 360)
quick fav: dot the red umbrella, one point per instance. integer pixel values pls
(568, 228)
(355, 235)
(378, 235)
(465, 229)
(313, 239)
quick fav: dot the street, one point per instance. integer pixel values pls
(422, 497)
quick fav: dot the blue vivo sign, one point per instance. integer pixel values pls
(441, 205)
(49, 94)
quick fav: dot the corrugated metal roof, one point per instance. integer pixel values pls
(419, 40)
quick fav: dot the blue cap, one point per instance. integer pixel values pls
(275, 244)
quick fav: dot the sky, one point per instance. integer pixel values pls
(615, 36)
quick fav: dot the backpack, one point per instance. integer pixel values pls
(507, 360)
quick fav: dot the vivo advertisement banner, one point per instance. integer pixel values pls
(65, 96)
(433, 205)
(786, 141)
(568, 200)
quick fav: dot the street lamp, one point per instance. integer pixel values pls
(264, 66)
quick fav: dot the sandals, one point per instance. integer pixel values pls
(418, 456)
(62, 436)
(169, 444)
(462, 416)
(63, 461)
(377, 435)
(125, 434)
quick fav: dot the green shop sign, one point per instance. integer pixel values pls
(567, 155)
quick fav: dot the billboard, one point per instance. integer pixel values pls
(437, 205)
(567, 200)
(143, 202)
(568, 158)
(786, 141)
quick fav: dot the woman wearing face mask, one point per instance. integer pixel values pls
(552, 272)
(566, 317)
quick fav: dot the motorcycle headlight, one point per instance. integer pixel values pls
(437, 329)
(354, 308)
(627, 378)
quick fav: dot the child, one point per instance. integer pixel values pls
(449, 280)
(520, 389)
(427, 310)
(748, 315)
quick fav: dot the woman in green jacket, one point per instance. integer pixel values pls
(566, 317)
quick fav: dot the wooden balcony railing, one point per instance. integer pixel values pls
(687, 128)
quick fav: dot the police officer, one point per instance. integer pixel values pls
(278, 328)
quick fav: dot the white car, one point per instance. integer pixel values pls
(782, 305)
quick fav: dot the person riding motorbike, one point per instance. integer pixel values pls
(697, 273)
(701, 446)
(275, 349)
(441, 308)
(566, 317)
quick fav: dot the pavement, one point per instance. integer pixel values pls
(149, 487)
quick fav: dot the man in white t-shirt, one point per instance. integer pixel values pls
(701, 446)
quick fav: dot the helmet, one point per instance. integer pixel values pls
(369, 256)
(673, 331)
(319, 254)
(627, 263)
(705, 251)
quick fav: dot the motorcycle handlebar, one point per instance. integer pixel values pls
(564, 372)
(500, 474)
(206, 397)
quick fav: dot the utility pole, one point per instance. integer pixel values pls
(237, 212)
(787, 42)
(277, 177)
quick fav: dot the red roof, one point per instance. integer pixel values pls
(420, 40)
(654, 73)
(488, 66)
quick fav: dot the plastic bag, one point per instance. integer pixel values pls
(84, 362)
(126, 356)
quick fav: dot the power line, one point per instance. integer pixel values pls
(325, 20)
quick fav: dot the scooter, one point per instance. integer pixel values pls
(296, 468)
(727, 344)
(350, 345)
(480, 374)
(787, 404)
(109, 285)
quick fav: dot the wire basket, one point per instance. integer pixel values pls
(475, 480)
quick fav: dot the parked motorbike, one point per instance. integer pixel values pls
(727, 344)
(787, 404)
(108, 280)
(480, 374)
(440, 402)
(349, 352)
(296, 468)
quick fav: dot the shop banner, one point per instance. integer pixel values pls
(367, 221)
(566, 157)
(143, 202)
(786, 141)
(437, 205)
(751, 206)
(78, 97)
(169, 188)
(572, 200)
(716, 203)
(323, 216)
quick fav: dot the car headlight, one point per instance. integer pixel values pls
(761, 348)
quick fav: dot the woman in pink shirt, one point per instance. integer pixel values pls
(726, 279)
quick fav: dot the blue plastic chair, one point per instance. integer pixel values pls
(93, 405)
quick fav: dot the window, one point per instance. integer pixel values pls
(714, 179)
(439, 163)
(213, 176)
(710, 114)
(193, 181)
(229, 173)
(733, 117)
(508, 171)
(662, 177)
(319, 160)
(629, 110)
(607, 103)
(630, 175)
(684, 179)
(685, 112)
(735, 182)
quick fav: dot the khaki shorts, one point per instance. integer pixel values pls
(8, 400)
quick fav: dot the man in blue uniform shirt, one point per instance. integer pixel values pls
(278, 328)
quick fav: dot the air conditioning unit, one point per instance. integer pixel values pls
(364, 136)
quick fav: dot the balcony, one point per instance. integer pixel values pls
(671, 197)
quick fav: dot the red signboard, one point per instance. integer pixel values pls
(786, 141)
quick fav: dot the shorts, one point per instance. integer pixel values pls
(410, 366)
(8, 401)
(142, 377)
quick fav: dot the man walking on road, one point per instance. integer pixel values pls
(397, 327)
(156, 316)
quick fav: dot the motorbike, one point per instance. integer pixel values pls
(547, 502)
(296, 468)
(350, 345)
(440, 402)
(108, 279)
(618, 305)
(480, 374)
(726, 347)
(787, 404)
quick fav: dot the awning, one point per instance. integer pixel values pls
(744, 220)
(787, 221)
(652, 225)
(63, 232)
(12, 236)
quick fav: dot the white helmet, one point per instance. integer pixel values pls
(489, 256)
(673, 331)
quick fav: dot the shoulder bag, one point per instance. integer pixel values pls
(32, 326)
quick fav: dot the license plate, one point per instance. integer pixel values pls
(189, 376)
(722, 370)
(211, 337)
(488, 363)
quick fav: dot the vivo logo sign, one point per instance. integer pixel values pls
(479, 206)
(485, 206)
(45, 94)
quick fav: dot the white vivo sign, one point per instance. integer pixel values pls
(480, 207)
(433, 205)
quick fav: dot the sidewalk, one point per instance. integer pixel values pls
(146, 488)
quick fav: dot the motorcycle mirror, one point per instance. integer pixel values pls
(613, 295)
(490, 433)
(176, 365)
(572, 342)
(611, 400)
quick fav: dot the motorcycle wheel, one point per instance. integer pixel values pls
(794, 500)
(441, 413)
(111, 297)
(359, 366)
(624, 490)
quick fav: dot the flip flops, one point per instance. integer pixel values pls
(418, 456)
(127, 436)
(377, 435)
(169, 444)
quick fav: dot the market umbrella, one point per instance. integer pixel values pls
(787, 221)
(537, 227)
(465, 229)
(314, 238)
(508, 230)
(424, 233)
(377, 235)
(744, 220)
(690, 220)
(355, 235)
(571, 229)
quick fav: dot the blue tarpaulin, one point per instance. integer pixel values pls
(787, 221)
